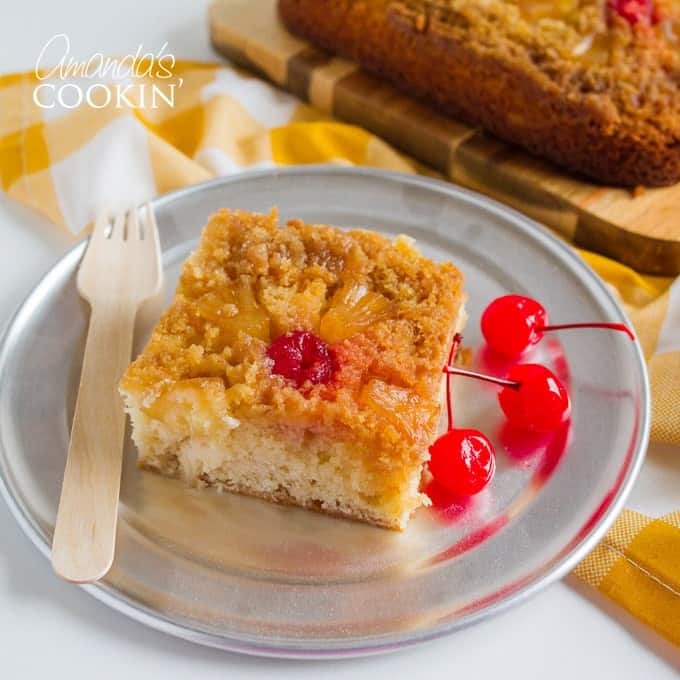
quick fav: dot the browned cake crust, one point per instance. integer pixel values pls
(576, 84)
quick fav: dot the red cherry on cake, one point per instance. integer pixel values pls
(301, 356)
(462, 461)
(532, 397)
(636, 11)
(513, 323)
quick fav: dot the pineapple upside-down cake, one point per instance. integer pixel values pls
(301, 364)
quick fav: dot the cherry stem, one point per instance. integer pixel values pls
(566, 326)
(455, 344)
(453, 370)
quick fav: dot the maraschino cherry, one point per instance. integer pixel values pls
(532, 397)
(513, 323)
(540, 403)
(301, 356)
(462, 461)
(636, 11)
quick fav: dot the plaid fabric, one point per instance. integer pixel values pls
(70, 163)
(637, 564)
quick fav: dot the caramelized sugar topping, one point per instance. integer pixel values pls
(386, 312)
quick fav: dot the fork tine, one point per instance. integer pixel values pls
(118, 229)
(152, 242)
(132, 226)
(101, 226)
(150, 226)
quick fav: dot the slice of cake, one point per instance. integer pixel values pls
(301, 364)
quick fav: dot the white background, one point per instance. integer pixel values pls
(51, 629)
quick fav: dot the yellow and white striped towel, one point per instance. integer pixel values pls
(69, 163)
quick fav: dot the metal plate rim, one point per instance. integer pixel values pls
(124, 605)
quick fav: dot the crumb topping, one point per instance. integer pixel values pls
(627, 66)
(386, 312)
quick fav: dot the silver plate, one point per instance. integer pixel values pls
(249, 576)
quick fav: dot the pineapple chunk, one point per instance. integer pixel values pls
(230, 312)
(352, 311)
(396, 404)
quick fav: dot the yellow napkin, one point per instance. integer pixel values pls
(69, 161)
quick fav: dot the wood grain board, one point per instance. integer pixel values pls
(642, 231)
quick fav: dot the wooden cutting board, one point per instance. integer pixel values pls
(642, 231)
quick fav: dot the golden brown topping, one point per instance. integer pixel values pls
(386, 311)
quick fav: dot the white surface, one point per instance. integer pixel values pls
(112, 147)
(51, 629)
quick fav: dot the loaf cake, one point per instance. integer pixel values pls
(592, 85)
(301, 364)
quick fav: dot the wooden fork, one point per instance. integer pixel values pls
(120, 269)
